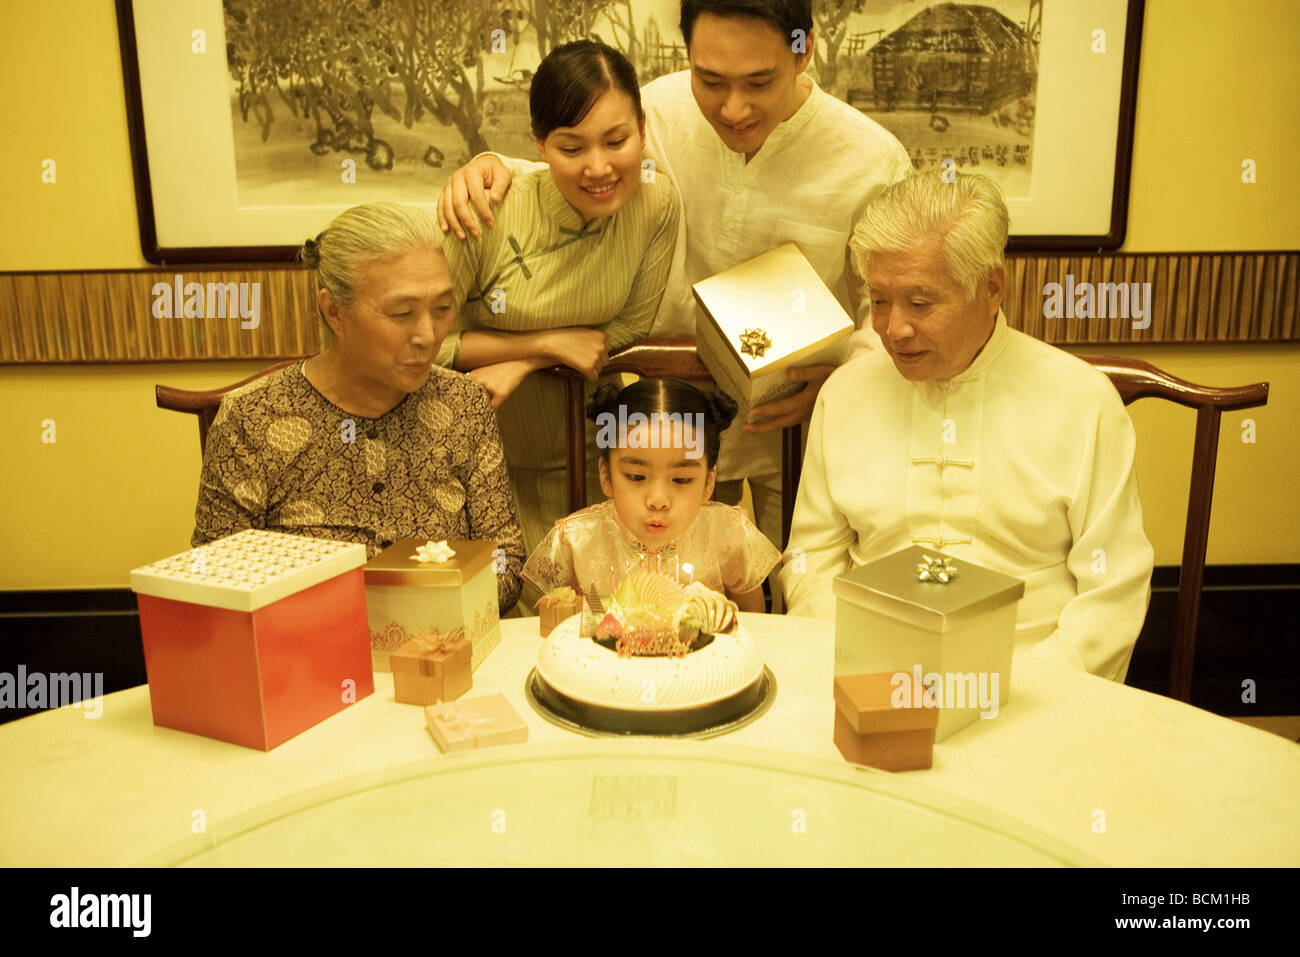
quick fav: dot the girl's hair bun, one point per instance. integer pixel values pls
(722, 409)
(604, 399)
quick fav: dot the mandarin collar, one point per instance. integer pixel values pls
(561, 212)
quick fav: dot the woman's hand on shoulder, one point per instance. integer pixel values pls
(586, 350)
(482, 181)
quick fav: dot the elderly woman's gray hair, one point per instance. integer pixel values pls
(969, 215)
(365, 234)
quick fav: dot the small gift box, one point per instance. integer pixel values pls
(763, 317)
(431, 668)
(475, 723)
(255, 637)
(557, 605)
(950, 622)
(415, 587)
(886, 721)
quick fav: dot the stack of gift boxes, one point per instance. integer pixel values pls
(415, 588)
(256, 637)
(923, 647)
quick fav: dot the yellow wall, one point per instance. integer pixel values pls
(117, 488)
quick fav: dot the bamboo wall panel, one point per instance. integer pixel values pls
(108, 316)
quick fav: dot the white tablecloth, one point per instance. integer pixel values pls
(1124, 777)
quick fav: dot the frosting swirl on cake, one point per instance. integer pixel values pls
(707, 610)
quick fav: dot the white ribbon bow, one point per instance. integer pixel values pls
(433, 552)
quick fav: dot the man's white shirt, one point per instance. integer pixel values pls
(1023, 463)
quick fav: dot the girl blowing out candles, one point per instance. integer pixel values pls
(658, 444)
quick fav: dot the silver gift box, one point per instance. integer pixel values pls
(961, 633)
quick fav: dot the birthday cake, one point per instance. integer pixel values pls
(655, 657)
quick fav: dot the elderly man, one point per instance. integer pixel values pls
(967, 436)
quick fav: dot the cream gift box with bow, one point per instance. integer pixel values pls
(416, 587)
(764, 317)
(924, 613)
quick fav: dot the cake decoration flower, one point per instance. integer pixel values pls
(941, 569)
(434, 552)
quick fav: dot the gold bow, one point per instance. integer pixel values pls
(938, 569)
(562, 594)
(435, 644)
(754, 342)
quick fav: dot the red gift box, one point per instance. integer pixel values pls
(256, 637)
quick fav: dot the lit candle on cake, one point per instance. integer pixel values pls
(690, 572)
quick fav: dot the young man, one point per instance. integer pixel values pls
(761, 156)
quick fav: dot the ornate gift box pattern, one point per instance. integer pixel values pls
(406, 598)
(887, 619)
(763, 317)
(255, 637)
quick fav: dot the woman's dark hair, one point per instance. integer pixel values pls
(666, 396)
(786, 15)
(572, 78)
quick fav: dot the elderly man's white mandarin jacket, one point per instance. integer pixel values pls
(1022, 463)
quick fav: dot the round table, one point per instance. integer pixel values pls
(1073, 770)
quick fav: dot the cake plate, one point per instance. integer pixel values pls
(543, 708)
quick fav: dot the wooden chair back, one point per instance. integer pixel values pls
(1135, 379)
(204, 405)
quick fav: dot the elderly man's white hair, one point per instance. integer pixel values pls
(968, 215)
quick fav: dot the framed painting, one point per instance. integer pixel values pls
(254, 122)
(1037, 94)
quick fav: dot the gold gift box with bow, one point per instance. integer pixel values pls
(764, 317)
(431, 668)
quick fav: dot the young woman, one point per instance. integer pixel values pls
(572, 269)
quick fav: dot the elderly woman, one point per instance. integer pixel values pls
(967, 436)
(368, 441)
